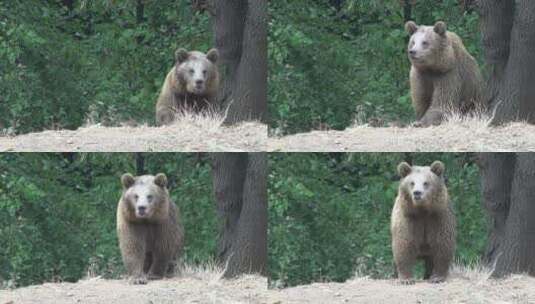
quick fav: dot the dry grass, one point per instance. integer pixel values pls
(190, 133)
(474, 272)
(210, 272)
(204, 284)
(456, 134)
(466, 284)
(207, 120)
(194, 284)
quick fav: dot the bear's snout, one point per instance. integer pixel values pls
(141, 211)
(198, 88)
(417, 195)
(414, 55)
(199, 85)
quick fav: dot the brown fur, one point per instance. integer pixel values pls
(449, 82)
(150, 245)
(175, 96)
(425, 230)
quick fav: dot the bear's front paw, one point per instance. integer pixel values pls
(437, 279)
(417, 124)
(153, 276)
(406, 281)
(139, 280)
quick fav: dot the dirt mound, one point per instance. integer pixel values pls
(516, 289)
(464, 136)
(248, 289)
(252, 289)
(180, 137)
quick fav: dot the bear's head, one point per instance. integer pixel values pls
(197, 71)
(429, 46)
(146, 197)
(421, 186)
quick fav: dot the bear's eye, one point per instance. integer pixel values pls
(425, 43)
(136, 196)
(412, 184)
(204, 72)
(191, 71)
(149, 197)
(426, 184)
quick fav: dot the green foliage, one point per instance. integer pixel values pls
(58, 212)
(330, 213)
(96, 62)
(329, 68)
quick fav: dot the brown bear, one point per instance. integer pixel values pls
(422, 223)
(444, 77)
(192, 84)
(150, 234)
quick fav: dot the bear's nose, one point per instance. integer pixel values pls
(412, 52)
(417, 193)
(141, 209)
(199, 82)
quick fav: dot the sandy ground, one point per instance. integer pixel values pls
(207, 134)
(253, 289)
(248, 289)
(464, 136)
(181, 137)
(512, 290)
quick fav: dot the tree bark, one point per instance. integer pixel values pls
(518, 251)
(228, 179)
(407, 10)
(508, 186)
(140, 11)
(497, 171)
(240, 188)
(337, 4)
(240, 28)
(140, 163)
(508, 32)
(69, 4)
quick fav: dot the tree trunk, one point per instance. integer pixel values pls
(240, 28)
(228, 179)
(508, 32)
(240, 188)
(518, 251)
(140, 163)
(508, 185)
(140, 11)
(407, 10)
(140, 17)
(337, 4)
(496, 181)
(69, 4)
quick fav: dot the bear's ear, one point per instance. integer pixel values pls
(213, 55)
(404, 169)
(161, 180)
(127, 180)
(440, 28)
(437, 167)
(411, 27)
(181, 55)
